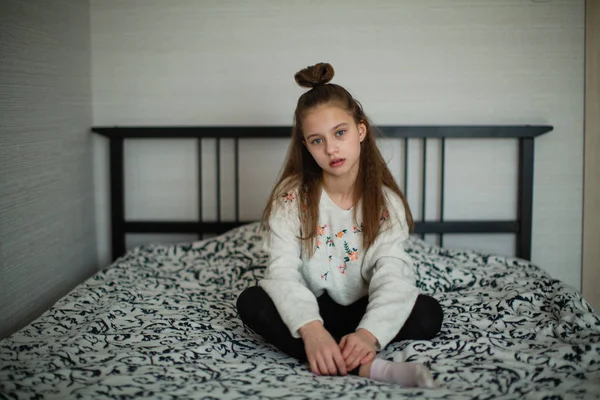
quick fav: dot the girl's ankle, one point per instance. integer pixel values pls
(365, 370)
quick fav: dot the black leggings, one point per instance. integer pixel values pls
(257, 311)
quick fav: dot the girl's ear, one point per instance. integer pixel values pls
(362, 131)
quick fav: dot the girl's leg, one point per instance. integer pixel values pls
(257, 311)
(424, 322)
(341, 320)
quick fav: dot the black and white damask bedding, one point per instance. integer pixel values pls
(161, 323)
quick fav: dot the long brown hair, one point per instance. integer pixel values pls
(302, 175)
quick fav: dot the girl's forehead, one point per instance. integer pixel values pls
(327, 114)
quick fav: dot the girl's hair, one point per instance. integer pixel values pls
(303, 176)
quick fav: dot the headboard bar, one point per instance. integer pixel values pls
(436, 227)
(424, 185)
(521, 227)
(253, 132)
(442, 184)
(218, 180)
(117, 197)
(525, 197)
(200, 216)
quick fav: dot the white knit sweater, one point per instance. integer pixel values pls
(340, 267)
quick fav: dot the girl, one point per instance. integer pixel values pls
(338, 285)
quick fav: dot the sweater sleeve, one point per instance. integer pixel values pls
(283, 280)
(392, 283)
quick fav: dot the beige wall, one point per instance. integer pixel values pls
(47, 235)
(591, 206)
(408, 62)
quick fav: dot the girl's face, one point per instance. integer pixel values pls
(333, 139)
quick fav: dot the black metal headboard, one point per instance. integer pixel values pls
(521, 227)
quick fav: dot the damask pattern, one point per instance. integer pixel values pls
(161, 323)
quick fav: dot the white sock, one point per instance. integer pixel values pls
(404, 374)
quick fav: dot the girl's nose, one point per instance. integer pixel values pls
(332, 147)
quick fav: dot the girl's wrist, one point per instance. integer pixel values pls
(310, 327)
(367, 335)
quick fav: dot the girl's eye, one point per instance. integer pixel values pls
(317, 141)
(340, 133)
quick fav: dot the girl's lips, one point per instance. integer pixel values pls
(336, 163)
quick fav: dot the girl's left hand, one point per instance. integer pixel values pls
(358, 348)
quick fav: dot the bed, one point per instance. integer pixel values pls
(160, 321)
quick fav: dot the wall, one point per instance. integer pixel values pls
(47, 230)
(591, 204)
(408, 62)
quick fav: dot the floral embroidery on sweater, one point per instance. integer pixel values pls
(385, 215)
(289, 197)
(341, 233)
(321, 230)
(351, 253)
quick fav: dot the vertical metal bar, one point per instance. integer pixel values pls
(442, 183)
(424, 183)
(237, 180)
(525, 198)
(117, 197)
(405, 165)
(200, 200)
(218, 179)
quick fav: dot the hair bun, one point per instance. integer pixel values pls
(315, 75)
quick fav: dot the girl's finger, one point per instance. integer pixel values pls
(343, 342)
(313, 365)
(353, 366)
(331, 368)
(322, 366)
(368, 358)
(339, 361)
(348, 349)
(355, 360)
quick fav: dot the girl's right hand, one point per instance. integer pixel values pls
(322, 351)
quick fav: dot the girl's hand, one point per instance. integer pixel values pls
(322, 351)
(358, 348)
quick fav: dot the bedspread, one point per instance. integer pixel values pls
(161, 323)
